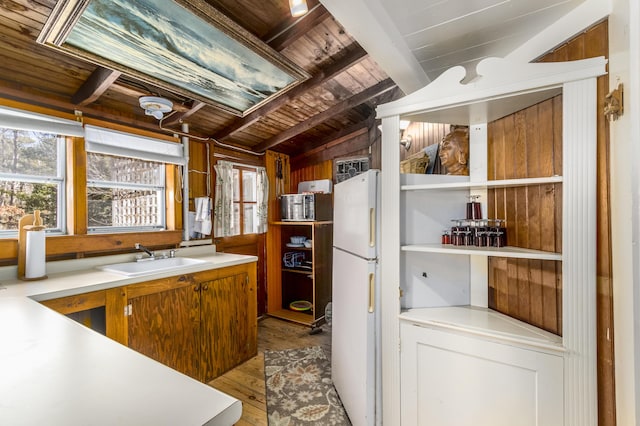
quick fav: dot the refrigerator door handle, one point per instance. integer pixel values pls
(372, 227)
(372, 292)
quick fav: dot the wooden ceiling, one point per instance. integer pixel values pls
(339, 97)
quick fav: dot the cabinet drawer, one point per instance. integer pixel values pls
(162, 284)
(77, 303)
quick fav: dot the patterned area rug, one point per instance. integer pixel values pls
(299, 389)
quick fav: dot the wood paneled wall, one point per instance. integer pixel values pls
(272, 248)
(201, 184)
(323, 170)
(423, 135)
(319, 163)
(528, 144)
(516, 282)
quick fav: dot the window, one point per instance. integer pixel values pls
(31, 178)
(124, 194)
(244, 201)
(126, 183)
(240, 206)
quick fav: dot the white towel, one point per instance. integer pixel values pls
(203, 215)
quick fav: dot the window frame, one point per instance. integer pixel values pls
(241, 202)
(60, 180)
(160, 190)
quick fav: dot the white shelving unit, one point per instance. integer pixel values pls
(484, 185)
(439, 337)
(512, 252)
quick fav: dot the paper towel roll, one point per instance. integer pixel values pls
(35, 255)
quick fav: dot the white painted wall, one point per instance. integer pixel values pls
(624, 53)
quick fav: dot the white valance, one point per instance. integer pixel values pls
(113, 142)
(13, 118)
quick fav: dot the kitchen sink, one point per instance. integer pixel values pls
(147, 267)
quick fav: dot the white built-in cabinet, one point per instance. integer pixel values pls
(447, 358)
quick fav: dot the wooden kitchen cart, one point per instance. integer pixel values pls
(300, 273)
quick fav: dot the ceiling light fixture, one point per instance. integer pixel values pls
(298, 7)
(155, 106)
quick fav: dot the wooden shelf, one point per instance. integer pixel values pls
(299, 271)
(512, 252)
(294, 316)
(286, 284)
(473, 320)
(306, 222)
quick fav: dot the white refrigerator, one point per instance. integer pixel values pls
(355, 339)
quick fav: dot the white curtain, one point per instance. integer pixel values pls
(262, 183)
(223, 217)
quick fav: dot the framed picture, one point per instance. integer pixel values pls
(189, 48)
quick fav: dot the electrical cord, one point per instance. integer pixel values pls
(200, 138)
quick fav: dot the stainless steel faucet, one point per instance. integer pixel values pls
(146, 250)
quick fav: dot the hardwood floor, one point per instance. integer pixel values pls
(246, 382)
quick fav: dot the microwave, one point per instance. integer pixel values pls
(306, 207)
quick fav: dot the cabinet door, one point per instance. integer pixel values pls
(229, 323)
(165, 326)
(452, 379)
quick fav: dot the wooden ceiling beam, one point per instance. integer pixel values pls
(334, 110)
(180, 116)
(134, 92)
(343, 146)
(331, 71)
(94, 86)
(292, 29)
(332, 140)
(310, 146)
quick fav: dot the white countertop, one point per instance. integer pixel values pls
(55, 371)
(69, 277)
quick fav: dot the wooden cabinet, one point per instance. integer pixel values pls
(164, 322)
(99, 310)
(442, 320)
(300, 273)
(201, 324)
(228, 316)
